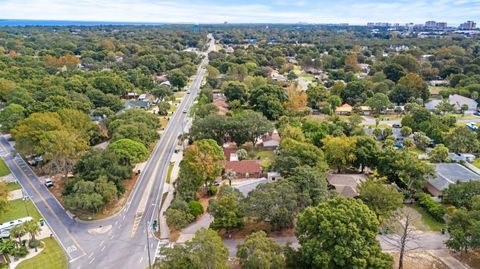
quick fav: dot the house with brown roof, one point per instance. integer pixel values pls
(346, 184)
(245, 168)
(270, 141)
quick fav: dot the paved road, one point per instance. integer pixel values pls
(122, 243)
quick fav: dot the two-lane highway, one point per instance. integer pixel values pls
(119, 241)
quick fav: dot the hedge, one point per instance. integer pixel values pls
(435, 209)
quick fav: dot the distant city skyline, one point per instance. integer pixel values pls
(357, 12)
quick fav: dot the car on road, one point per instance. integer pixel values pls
(396, 125)
(188, 92)
(48, 182)
(184, 111)
(472, 126)
(477, 113)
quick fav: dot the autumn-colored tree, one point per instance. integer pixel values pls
(200, 161)
(68, 61)
(351, 63)
(297, 101)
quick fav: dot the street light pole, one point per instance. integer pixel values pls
(148, 247)
(25, 203)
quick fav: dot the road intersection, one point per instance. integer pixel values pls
(121, 240)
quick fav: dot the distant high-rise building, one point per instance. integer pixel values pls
(196, 28)
(431, 24)
(442, 25)
(435, 25)
(469, 25)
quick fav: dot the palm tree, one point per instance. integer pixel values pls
(7, 246)
(230, 175)
(17, 232)
(32, 228)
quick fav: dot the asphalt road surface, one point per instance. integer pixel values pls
(120, 241)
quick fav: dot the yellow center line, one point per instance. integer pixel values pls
(45, 202)
(147, 191)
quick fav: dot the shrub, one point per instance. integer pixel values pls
(212, 190)
(20, 252)
(177, 219)
(433, 208)
(34, 243)
(196, 209)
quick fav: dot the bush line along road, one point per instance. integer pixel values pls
(125, 244)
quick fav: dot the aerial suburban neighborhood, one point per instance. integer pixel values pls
(131, 141)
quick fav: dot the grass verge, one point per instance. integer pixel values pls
(51, 257)
(3, 168)
(476, 163)
(169, 172)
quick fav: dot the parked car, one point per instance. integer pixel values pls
(396, 125)
(477, 113)
(472, 126)
(48, 182)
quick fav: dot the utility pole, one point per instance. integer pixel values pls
(148, 247)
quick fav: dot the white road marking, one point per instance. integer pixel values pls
(141, 259)
(92, 260)
(91, 254)
(103, 248)
(116, 222)
(124, 217)
(101, 243)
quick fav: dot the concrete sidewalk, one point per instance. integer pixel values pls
(168, 188)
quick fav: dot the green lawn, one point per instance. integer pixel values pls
(52, 257)
(3, 168)
(476, 163)
(13, 186)
(169, 172)
(16, 209)
(428, 220)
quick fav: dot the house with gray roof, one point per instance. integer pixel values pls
(446, 174)
(456, 100)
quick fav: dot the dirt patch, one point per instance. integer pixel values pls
(174, 235)
(471, 258)
(419, 260)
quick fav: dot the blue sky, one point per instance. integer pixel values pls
(218, 11)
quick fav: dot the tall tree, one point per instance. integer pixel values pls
(339, 151)
(340, 233)
(227, 210)
(260, 252)
(381, 199)
(200, 162)
(10, 116)
(275, 203)
(462, 140)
